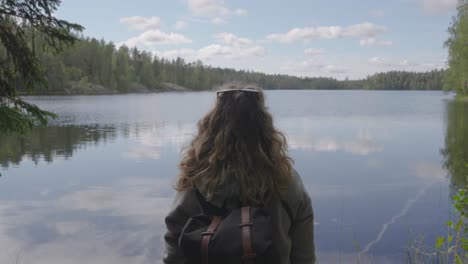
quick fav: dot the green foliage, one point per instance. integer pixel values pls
(452, 247)
(20, 116)
(455, 152)
(20, 20)
(456, 78)
(122, 72)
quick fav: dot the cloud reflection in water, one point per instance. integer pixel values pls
(121, 223)
(363, 144)
(153, 140)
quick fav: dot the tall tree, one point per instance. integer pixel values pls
(146, 73)
(19, 65)
(122, 69)
(456, 78)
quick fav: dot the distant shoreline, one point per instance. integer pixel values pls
(191, 91)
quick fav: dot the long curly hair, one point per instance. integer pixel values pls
(237, 143)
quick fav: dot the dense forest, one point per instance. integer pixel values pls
(94, 66)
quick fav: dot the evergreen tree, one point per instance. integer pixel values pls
(147, 77)
(19, 65)
(122, 72)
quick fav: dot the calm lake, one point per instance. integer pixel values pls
(94, 186)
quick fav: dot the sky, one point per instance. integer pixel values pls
(329, 38)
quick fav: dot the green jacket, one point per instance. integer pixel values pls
(293, 239)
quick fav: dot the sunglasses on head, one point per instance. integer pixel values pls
(249, 90)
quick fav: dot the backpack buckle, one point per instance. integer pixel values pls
(245, 224)
(207, 233)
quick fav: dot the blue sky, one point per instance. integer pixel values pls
(333, 38)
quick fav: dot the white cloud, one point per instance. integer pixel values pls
(213, 9)
(331, 68)
(236, 48)
(364, 29)
(312, 67)
(240, 12)
(217, 21)
(331, 32)
(439, 6)
(377, 13)
(405, 64)
(208, 8)
(374, 42)
(141, 23)
(179, 25)
(313, 52)
(182, 53)
(231, 52)
(156, 37)
(231, 39)
(215, 50)
(377, 60)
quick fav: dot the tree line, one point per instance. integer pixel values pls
(97, 66)
(402, 80)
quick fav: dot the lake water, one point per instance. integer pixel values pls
(94, 186)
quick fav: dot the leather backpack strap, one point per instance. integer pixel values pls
(246, 224)
(206, 237)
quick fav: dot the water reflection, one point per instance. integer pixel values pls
(372, 165)
(120, 223)
(306, 133)
(430, 171)
(60, 142)
(152, 140)
(455, 151)
(49, 142)
(362, 144)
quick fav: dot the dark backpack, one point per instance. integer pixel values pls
(218, 235)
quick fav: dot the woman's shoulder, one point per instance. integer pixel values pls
(296, 187)
(296, 195)
(185, 204)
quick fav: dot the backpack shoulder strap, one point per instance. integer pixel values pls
(206, 237)
(246, 224)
